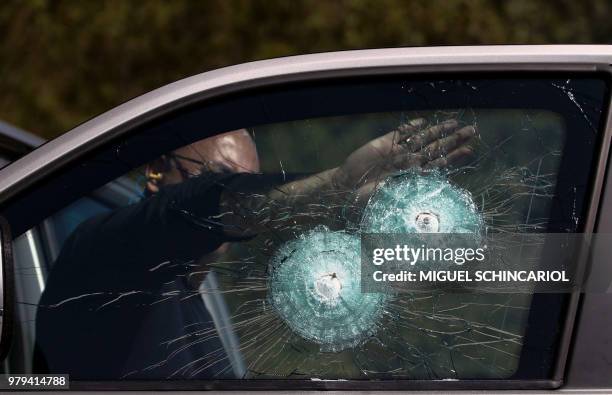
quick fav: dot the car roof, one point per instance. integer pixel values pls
(233, 78)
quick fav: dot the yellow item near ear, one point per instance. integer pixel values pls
(155, 176)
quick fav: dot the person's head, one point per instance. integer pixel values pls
(232, 152)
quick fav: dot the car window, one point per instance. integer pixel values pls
(239, 257)
(57, 228)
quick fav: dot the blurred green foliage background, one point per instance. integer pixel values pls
(62, 62)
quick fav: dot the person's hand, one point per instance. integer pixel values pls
(412, 145)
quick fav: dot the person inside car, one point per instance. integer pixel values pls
(117, 302)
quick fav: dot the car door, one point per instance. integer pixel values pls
(235, 262)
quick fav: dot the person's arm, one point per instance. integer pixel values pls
(187, 220)
(176, 224)
(334, 196)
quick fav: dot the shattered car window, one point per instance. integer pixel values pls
(236, 254)
(328, 328)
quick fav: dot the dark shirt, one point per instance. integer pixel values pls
(115, 302)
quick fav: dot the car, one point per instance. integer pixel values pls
(509, 143)
(38, 246)
(16, 142)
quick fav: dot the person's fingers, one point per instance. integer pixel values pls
(433, 133)
(454, 158)
(445, 145)
(392, 142)
(407, 161)
(409, 128)
(460, 156)
(396, 139)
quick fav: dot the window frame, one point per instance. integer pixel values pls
(24, 174)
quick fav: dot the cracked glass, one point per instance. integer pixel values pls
(223, 242)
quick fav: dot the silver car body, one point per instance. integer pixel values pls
(91, 134)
